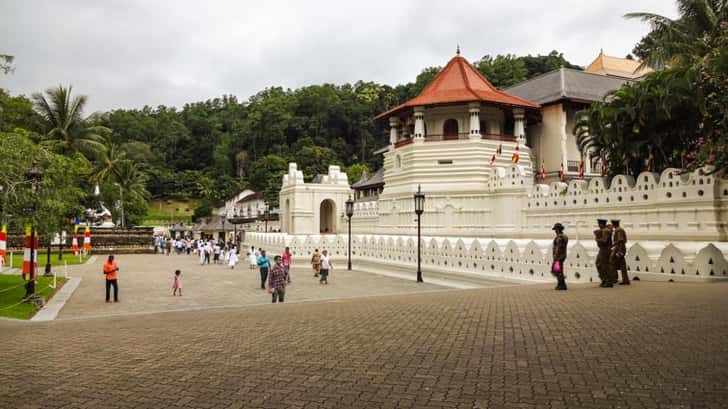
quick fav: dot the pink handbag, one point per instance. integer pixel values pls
(556, 268)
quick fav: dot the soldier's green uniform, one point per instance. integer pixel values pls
(619, 251)
(603, 237)
(559, 254)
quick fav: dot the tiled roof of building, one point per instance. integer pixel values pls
(615, 66)
(459, 82)
(566, 83)
(377, 179)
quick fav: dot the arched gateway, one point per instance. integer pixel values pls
(327, 216)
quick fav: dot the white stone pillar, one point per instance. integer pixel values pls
(519, 127)
(393, 130)
(419, 124)
(474, 110)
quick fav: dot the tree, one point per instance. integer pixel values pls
(266, 176)
(6, 63)
(65, 128)
(679, 41)
(107, 164)
(61, 194)
(541, 64)
(503, 70)
(16, 112)
(356, 171)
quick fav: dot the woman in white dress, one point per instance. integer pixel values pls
(232, 257)
(252, 260)
(201, 253)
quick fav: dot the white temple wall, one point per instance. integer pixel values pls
(518, 259)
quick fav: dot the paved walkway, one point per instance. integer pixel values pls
(145, 286)
(651, 345)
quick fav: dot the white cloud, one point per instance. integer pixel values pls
(126, 54)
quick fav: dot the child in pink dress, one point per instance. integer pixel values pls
(177, 283)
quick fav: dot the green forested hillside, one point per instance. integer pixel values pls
(209, 150)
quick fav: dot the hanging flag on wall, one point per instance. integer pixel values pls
(561, 172)
(515, 158)
(650, 160)
(581, 169)
(543, 170)
(87, 239)
(602, 167)
(3, 244)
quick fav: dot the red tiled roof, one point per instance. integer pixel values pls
(460, 82)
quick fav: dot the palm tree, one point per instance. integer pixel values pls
(132, 180)
(107, 164)
(66, 129)
(680, 41)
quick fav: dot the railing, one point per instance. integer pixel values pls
(441, 137)
(572, 166)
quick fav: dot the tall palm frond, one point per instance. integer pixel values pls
(66, 129)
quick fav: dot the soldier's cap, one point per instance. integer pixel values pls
(600, 221)
(558, 226)
(615, 221)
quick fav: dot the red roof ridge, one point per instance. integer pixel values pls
(454, 84)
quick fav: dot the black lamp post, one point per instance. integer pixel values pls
(266, 214)
(33, 176)
(349, 213)
(419, 208)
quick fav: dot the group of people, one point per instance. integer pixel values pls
(216, 252)
(612, 242)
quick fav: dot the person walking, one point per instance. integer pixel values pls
(287, 264)
(619, 251)
(559, 256)
(326, 265)
(112, 280)
(201, 252)
(168, 245)
(177, 283)
(264, 264)
(208, 252)
(603, 237)
(277, 281)
(316, 263)
(232, 257)
(252, 260)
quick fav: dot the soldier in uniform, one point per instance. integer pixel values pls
(603, 237)
(619, 251)
(559, 254)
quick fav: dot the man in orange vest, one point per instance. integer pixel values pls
(110, 269)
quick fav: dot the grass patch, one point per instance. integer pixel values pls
(68, 257)
(168, 211)
(12, 290)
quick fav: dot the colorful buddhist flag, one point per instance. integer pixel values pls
(515, 158)
(602, 167)
(581, 169)
(562, 177)
(3, 244)
(492, 159)
(74, 241)
(31, 247)
(87, 239)
(499, 150)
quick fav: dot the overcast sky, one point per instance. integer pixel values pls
(131, 53)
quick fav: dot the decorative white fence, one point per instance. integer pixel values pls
(517, 259)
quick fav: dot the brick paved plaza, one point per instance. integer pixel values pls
(652, 345)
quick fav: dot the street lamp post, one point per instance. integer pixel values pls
(419, 209)
(349, 213)
(266, 214)
(34, 176)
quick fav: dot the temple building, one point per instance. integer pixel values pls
(476, 153)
